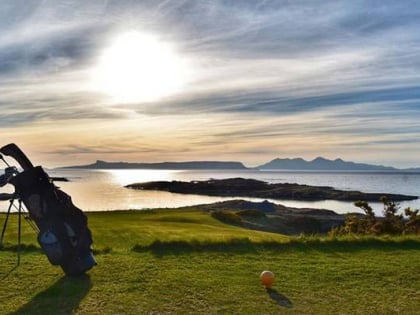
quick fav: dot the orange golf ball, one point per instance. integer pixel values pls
(267, 279)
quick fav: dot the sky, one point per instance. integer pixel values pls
(249, 81)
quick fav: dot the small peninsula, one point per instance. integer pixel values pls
(241, 187)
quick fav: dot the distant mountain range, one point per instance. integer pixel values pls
(318, 164)
(322, 164)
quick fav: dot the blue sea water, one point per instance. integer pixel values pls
(94, 190)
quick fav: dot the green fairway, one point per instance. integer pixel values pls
(186, 262)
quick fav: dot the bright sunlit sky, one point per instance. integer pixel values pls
(151, 81)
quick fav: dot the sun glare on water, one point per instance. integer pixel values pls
(138, 67)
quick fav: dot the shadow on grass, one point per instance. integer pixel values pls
(17, 249)
(281, 299)
(63, 297)
(7, 274)
(245, 245)
(23, 247)
(356, 244)
(161, 248)
(31, 248)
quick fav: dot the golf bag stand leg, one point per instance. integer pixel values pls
(11, 201)
(19, 230)
(5, 222)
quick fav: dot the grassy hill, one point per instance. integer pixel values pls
(186, 262)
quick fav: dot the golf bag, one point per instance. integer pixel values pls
(63, 235)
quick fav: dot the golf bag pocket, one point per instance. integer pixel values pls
(51, 246)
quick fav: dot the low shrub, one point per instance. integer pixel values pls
(391, 223)
(251, 213)
(227, 217)
(180, 246)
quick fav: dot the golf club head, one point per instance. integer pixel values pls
(15, 152)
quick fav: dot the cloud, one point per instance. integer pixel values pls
(98, 150)
(269, 76)
(46, 100)
(273, 102)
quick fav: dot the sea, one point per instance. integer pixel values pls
(103, 190)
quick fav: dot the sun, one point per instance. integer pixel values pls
(139, 67)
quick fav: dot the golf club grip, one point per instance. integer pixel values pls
(13, 150)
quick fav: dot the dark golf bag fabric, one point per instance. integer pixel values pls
(63, 235)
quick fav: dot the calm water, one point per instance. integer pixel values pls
(94, 190)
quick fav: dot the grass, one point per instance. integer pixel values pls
(187, 262)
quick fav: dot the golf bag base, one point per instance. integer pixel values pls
(78, 265)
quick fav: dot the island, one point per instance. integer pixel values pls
(189, 165)
(242, 187)
(322, 164)
(318, 164)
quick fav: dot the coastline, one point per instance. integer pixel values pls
(241, 187)
(97, 190)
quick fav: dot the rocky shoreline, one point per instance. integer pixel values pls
(241, 187)
(275, 218)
